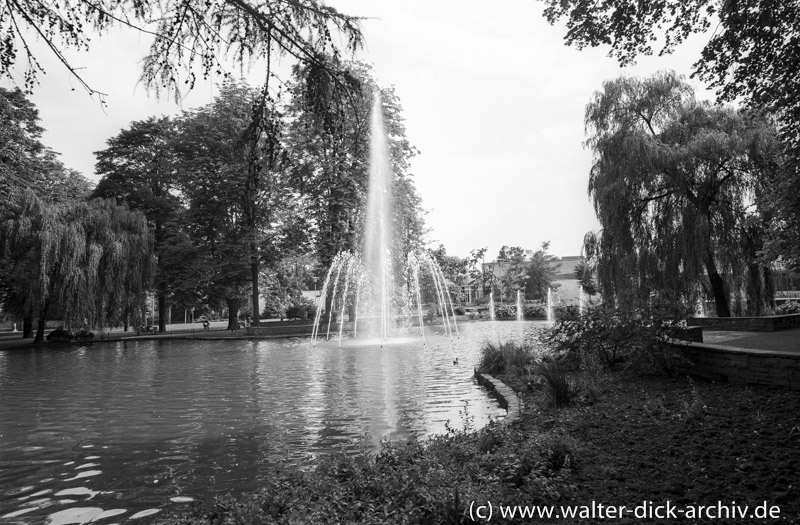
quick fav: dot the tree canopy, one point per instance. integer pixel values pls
(676, 186)
(138, 169)
(246, 195)
(753, 52)
(531, 272)
(243, 188)
(25, 162)
(93, 259)
(188, 37)
(327, 141)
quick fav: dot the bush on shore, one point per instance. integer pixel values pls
(534, 311)
(530, 311)
(509, 358)
(603, 338)
(525, 367)
(505, 312)
(61, 335)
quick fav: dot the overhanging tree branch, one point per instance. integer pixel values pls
(186, 32)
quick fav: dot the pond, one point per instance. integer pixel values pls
(115, 430)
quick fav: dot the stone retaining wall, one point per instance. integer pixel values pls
(281, 329)
(507, 398)
(769, 323)
(738, 365)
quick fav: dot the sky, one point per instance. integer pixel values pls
(493, 100)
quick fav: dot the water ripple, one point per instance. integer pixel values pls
(174, 420)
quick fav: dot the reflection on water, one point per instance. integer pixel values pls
(130, 428)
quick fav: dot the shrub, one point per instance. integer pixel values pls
(603, 337)
(560, 391)
(59, 335)
(534, 311)
(790, 307)
(84, 335)
(511, 359)
(493, 360)
(274, 308)
(301, 308)
(411, 483)
(459, 310)
(505, 312)
(566, 312)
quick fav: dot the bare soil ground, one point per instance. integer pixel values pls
(687, 442)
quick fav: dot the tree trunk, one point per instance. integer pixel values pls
(27, 326)
(755, 291)
(717, 287)
(256, 313)
(233, 312)
(42, 321)
(769, 286)
(162, 307)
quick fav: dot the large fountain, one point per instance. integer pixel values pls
(373, 293)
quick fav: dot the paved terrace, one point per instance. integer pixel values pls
(780, 341)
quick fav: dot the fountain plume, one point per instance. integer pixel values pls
(363, 285)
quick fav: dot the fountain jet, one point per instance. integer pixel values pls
(376, 254)
(364, 286)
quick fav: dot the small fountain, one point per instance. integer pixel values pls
(520, 316)
(367, 288)
(550, 305)
(491, 306)
(581, 299)
(382, 313)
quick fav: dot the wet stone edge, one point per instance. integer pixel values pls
(507, 398)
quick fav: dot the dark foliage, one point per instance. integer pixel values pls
(603, 338)
(410, 483)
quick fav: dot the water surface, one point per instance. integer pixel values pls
(109, 431)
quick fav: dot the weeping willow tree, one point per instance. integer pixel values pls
(675, 184)
(92, 260)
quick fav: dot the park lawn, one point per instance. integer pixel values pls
(657, 439)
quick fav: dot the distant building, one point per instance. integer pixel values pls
(568, 289)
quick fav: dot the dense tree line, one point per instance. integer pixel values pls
(86, 261)
(233, 192)
(228, 197)
(248, 181)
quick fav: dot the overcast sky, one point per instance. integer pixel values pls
(492, 97)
